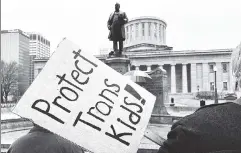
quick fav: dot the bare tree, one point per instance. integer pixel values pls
(9, 75)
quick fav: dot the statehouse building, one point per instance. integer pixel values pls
(188, 71)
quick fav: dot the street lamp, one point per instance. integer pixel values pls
(1, 93)
(215, 84)
(198, 91)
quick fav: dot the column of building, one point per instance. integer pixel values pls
(133, 32)
(157, 33)
(161, 37)
(173, 78)
(148, 68)
(146, 30)
(184, 78)
(193, 77)
(205, 77)
(231, 82)
(163, 34)
(152, 31)
(140, 30)
(219, 76)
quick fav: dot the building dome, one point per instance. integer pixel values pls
(148, 31)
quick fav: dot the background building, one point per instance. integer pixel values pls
(188, 71)
(38, 64)
(15, 47)
(39, 47)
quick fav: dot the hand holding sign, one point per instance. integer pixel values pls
(75, 98)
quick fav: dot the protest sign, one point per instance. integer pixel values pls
(85, 101)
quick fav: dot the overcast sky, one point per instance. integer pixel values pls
(191, 24)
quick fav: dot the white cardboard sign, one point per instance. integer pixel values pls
(85, 101)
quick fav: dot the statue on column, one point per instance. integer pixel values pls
(116, 27)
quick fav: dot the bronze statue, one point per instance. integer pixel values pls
(115, 24)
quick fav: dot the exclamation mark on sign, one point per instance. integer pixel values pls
(133, 92)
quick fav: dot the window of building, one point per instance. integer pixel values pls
(212, 86)
(143, 29)
(34, 37)
(225, 67)
(143, 67)
(133, 67)
(211, 68)
(39, 70)
(38, 38)
(137, 30)
(149, 29)
(225, 86)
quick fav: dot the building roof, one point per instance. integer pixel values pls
(15, 31)
(41, 59)
(156, 53)
(148, 17)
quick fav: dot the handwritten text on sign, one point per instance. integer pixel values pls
(82, 99)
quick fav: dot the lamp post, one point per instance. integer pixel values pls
(215, 84)
(1, 93)
(198, 89)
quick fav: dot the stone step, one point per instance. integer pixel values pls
(181, 96)
(15, 123)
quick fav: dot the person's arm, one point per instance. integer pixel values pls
(125, 18)
(109, 23)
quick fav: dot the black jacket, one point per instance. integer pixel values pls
(211, 129)
(40, 140)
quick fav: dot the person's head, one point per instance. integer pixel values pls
(117, 7)
(236, 70)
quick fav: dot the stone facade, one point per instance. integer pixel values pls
(188, 71)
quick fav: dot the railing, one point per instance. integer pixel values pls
(167, 116)
(7, 105)
(15, 123)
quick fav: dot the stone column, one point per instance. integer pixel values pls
(231, 81)
(129, 67)
(129, 37)
(219, 76)
(161, 66)
(193, 77)
(137, 67)
(164, 35)
(161, 38)
(157, 32)
(148, 68)
(205, 77)
(140, 31)
(173, 78)
(152, 31)
(184, 78)
(134, 32)
(146, 30)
